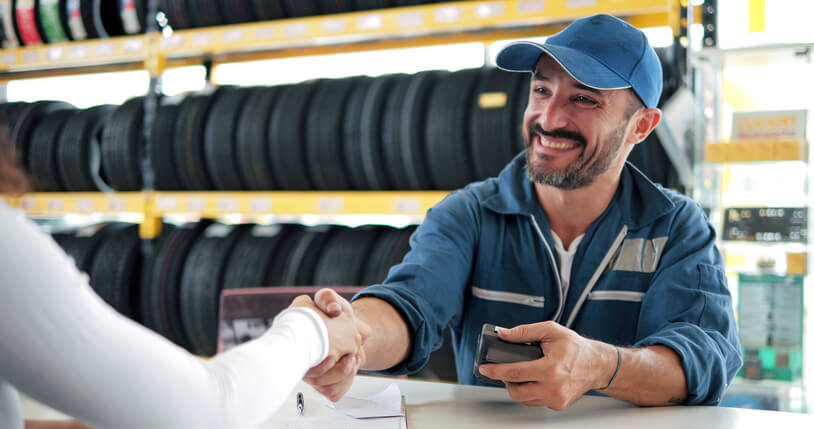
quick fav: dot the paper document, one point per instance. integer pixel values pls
(382, 410)
(386, 403)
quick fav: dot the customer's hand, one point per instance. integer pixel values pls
(345, 332)
(334, 378)
(571, 366)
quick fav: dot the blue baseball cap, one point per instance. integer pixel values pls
(600, 51)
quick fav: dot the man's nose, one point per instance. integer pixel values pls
(553, 115)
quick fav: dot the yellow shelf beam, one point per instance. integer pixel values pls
(93, 53)
(387, 28)
(153, 206)
(214, 204)
(757, 151)
(62, 203)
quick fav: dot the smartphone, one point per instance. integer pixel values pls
(491, 349)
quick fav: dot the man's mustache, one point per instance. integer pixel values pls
(558, 134)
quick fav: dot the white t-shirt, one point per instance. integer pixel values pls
(566, 260)
(63, 346)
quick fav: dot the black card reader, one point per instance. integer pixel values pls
(491, 349)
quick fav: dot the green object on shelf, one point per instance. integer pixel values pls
(51, 21)
(772, 363)
(782, 364)
(770, 322)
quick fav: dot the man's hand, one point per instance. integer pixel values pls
(571, 366)
(347, 334)
(333, 378)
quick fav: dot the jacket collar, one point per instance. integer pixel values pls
(641, 201)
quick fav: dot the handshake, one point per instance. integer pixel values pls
(334, 375)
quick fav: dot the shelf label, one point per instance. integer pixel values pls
(196, 204)
(29, 203)
(260, 204)
(295, 30)
(233, 35)
(55, 53)
(133, 45)
(228, 204)
(334, 25)
(103, 49)
(174, 41)
(492, 100)
(784, 124)
(166, 203)
(84, 204)
(530, 6)
(370, 22)
(8, 59)
(117, 204)
(79, 52)
(448, 14)
(577, 4)
(266, 32)
(768, 224)
(31, 57)
(486, 10)
(407, 205)
(410, 20)
(330, 204)
(56, 204)
(202, 39)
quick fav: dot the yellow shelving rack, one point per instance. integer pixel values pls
(153, 206)
(435, 24)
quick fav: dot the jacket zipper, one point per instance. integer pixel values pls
(561, 303)
(510, 297)
(601, 268)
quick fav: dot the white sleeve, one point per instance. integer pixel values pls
(11, 416)
(62, 345)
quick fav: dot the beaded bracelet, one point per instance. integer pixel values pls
(618, 365)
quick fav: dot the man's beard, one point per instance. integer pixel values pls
(583, 171)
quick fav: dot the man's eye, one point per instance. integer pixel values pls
(584, 100)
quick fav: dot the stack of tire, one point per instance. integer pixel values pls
(176, 290)
(110, 254)
(34, 22)
(426, 131)
(431, 130)
(69, 149)
(183, 14)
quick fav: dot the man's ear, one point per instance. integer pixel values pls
(644, 122)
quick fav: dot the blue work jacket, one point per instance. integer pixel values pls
(647, 272)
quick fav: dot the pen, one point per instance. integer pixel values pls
(300, 404)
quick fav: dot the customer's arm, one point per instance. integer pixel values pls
(63, 346)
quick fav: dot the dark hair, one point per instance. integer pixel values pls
(13, 180)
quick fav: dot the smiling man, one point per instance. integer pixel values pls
(618, 278)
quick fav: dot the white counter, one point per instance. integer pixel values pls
(440, 405)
